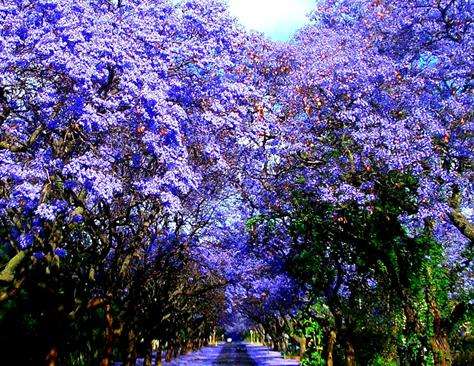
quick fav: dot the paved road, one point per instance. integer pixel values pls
(231, 354)
(234, 354)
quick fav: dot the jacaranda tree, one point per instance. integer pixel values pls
(369, 171)
(165, 173)
(113, 116)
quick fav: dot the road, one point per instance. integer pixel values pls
(231, 354)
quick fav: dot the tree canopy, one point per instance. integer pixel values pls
(167, 176)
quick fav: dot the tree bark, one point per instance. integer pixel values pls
(158, 356)
(330, 348)
(441, 350)
(109, 337)
(302, 346)
(214, 342)
(350, 353)
(462, 224)
(148, 357)
(52, 357)
(131, 349)
(169, 353)
(302, 343)
(8, 273)
(177, 350)
(439, 342)
(187, 347)
(457, 218)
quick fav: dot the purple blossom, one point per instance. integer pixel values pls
(25, 241)
(22, 33)
(77, 219)
(39, 255)
(60, 252)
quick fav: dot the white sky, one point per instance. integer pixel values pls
(279, 19)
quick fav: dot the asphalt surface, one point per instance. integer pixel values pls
(234, 354)
(231, 354)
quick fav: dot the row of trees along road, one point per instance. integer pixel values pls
(165, 174)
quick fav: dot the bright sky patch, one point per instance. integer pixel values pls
(279, 19)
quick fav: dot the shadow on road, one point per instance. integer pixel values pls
(235, 354)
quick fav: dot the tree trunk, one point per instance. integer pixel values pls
(158, 356)
(148, 357)
(176, 350)
(330, 348)
(169, 353)
(413, 326)
(131, 349)
(187, 347)
(302, 343)
(350, 354)
(109, 337)
(461, 222)
(441, 350)
(284, 345)
(52, 357)
(439, 341)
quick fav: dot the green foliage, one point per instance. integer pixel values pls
(313, 358)
(382, 361)
(254, 220)
(393, 320)
(312, 330)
